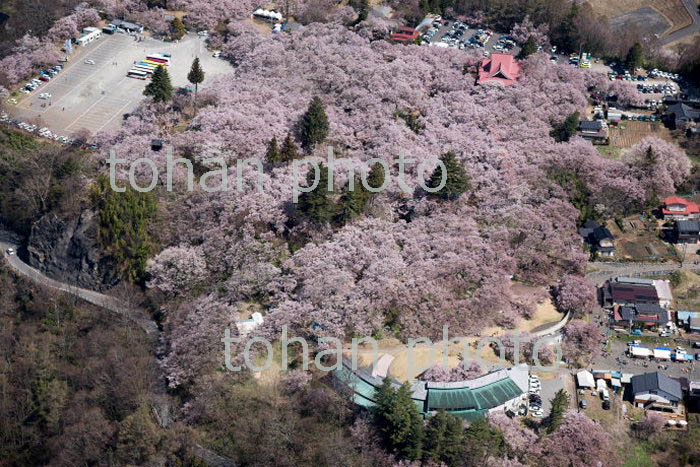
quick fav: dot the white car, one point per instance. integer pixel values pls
(216, 54)
(89, 62)
(10, 251)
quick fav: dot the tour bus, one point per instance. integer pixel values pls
(157, 60)
(162, 57)
(156, 64)
(147, 65)
(148, 71)
(138, 74)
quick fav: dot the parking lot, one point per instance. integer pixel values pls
(468, 32)
(93, 92)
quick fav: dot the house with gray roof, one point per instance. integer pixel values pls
(657, 392)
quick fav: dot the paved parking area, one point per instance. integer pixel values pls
(468, 34)
(94, 97)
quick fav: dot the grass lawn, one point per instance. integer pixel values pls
(638, 457)
(611, 152)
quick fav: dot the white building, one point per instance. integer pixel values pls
(89, 34)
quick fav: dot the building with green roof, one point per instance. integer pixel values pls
(471, 400)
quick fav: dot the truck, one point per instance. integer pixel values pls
(605, 394)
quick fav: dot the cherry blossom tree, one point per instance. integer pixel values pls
(580, 442)
(462, 372)
(582, 340)
(522, 31)
(176, 270)
(575, 294)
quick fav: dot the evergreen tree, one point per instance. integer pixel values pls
(317, 204)
(398, 420)
(444, 439)
(160, 88)
(196, 76)
(567, 129)
(457, 180)
(567, 34)
(273, 155)
(178, 28)
(560, 404)
(352, 203)
(314, 125)
(375, 177)
(635, 56)
(484, 441)
(529, 48)
(289, 150)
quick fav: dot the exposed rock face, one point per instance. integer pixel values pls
(69, 251)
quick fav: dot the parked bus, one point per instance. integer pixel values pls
(163, 57)
(138, 74)
(147, 65)
(157, 60)
(156, 64)
(148, 71)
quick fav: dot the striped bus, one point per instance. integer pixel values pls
(137, 74)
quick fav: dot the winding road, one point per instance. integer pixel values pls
(140, 317)
(692, 8)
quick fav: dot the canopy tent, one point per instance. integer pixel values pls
(585, 379)
(662, 353)
(640, 351)
(615, 383)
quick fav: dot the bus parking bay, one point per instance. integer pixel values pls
(93, 90)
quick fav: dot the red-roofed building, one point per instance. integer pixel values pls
(679, 209)
(500, 68)
(405, 34)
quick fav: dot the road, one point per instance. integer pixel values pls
(692, 29)
(104, 301)
(607, 271)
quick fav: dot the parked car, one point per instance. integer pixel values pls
(584, 404)
(636, 332)
(89, 62)
(10, 251)
(606, 405)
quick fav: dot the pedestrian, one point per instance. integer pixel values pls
(64, 109)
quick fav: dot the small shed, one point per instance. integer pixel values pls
(626, 378)
(584, 379)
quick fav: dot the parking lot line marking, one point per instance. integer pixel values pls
(81, 115)
(114, 116)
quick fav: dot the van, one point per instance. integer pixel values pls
(605, 394)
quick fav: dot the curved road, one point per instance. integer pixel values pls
(104, 301)
(692, 8)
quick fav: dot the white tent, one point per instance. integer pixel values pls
(585, 379)
(601, 384)
(640, 351)
(614, 382)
